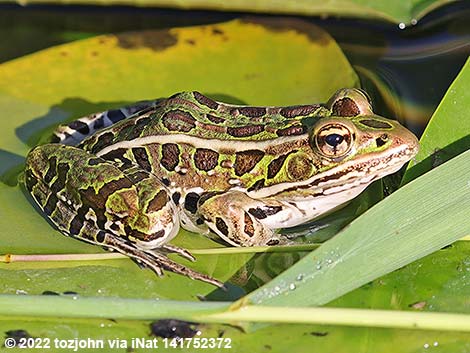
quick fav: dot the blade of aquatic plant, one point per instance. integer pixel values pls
(9, 258)
(421, 217)
(221, 312)
(393, 11)
(448, 132)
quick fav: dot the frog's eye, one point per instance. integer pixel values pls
(334, 140)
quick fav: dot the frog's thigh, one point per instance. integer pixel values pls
(234, 216)
(89, 198)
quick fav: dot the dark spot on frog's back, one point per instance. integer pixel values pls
(102, 141)
(155, 40)
(204, 100)
(258, 184)
(178, 120)
(215, 119)
(252, 112)
(51, 171)
(298, 110)
(205, 159)
(345, 107)
(245, 131)
(139, 126)
(118, 154)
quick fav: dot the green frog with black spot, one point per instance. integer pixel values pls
(128, 178)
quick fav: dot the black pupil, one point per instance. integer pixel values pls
(334, 139)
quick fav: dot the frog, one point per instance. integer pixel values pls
(126, 179)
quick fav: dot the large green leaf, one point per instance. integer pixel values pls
(403, 11)
(233, 62)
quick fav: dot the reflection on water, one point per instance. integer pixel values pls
(409, 70)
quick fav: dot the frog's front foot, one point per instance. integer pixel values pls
(240, 220)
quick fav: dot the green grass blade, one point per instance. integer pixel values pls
(219, 312)
(421, 217)
(349, 317)
(72, 306)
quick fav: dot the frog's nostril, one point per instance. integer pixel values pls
(381, 140)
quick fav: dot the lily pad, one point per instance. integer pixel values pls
(237, 62)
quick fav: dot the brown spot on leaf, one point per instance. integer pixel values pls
(217, 31)
(155, 40)
(314, 33)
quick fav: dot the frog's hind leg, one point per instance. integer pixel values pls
(129, 211)
(158, 261)
(240, 220)
(76, 131)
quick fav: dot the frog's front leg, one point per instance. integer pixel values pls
(241, 220)
(89, 198)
